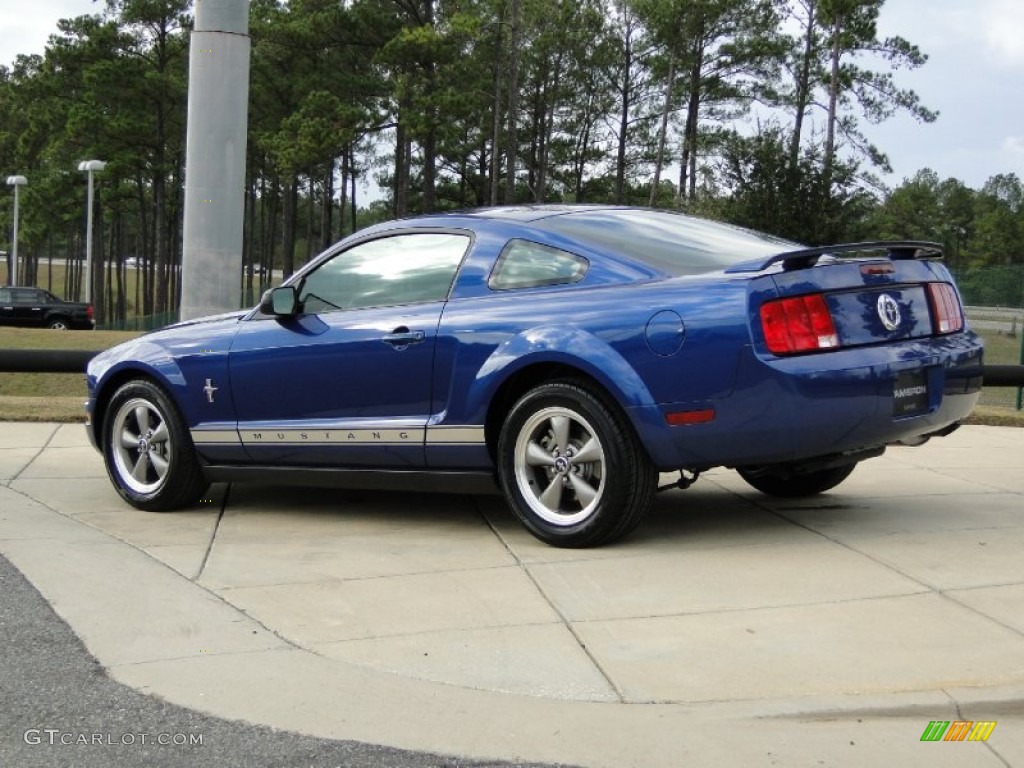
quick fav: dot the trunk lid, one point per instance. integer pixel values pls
(870, 301)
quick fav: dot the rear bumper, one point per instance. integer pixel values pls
(797, 408)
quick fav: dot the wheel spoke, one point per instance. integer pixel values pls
(160, 434)
(591, 451)
(536, 456)
(160, 464)
(584, 491)
(128, 440)
(141, 468)
(142, 418)
(560, 432)
(552, 496)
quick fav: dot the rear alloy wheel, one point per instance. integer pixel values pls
(794, 486)
(572, 469)
(57, 324)
(148, 451)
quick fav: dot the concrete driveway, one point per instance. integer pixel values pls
(730, 629)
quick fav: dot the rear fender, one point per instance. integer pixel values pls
(562, 345)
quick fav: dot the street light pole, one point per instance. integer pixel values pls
(214, 203)
(15, 181)
(89, 166)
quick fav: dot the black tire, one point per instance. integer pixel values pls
(795, 486)
(58, 324)
(148, 451)
(588, 503)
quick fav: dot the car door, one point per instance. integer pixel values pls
(6, 307)
(28, 306)
(347, 381)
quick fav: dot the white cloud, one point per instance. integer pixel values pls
(26, 30)
(1014, 145)
(1004, 31)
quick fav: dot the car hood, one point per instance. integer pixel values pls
(229, 316)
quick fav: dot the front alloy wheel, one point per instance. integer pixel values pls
(571, 467)
(142, 446)
(148, 451)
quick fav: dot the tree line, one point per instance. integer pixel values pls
(749, 111)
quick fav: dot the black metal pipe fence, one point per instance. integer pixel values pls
(75, 360)
(45, 360)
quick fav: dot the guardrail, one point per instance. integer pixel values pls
(75, 360)
(997, 312)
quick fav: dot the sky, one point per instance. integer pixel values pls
(974, 78)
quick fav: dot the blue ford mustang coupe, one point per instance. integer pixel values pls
(567, 354)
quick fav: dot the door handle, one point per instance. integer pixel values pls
(402, 337)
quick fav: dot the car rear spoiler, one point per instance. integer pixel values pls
(895, 250)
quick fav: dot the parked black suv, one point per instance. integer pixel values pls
(34, 307)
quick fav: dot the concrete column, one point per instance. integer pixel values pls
(218, 100)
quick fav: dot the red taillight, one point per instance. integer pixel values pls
(946, 314)
(801, 324)
(88, 311)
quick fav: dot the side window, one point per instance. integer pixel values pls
(403, 269)
(25, 296)
(530, 265)
(5, 296)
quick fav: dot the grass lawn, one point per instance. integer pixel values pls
(49, 396)
(1001, 349)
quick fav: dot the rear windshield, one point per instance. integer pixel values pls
(669, 242)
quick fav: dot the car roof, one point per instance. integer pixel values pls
(522, 214)
(536, 212)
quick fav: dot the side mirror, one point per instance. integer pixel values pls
(282, 302)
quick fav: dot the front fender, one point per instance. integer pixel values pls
(164, 371)
(181, 367)
(108, 370)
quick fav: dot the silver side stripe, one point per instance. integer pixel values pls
(434, 435)
(215, 437)
(455, 436)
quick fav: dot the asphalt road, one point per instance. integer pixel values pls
(58, 708)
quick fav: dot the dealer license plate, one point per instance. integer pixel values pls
(910, 394)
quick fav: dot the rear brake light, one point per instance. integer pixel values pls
(795, 325)
(870, 270)
(88, 311)
(946, 314)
